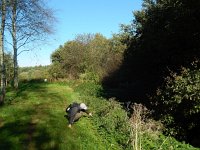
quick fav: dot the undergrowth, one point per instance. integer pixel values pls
(139, 132)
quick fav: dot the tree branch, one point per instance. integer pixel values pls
(22, 52)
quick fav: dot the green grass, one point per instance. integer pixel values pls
(33, 118)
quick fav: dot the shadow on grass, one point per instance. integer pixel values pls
(23, 91)
(15, 135)
(22, 133)
(19, 130)
(34, 87)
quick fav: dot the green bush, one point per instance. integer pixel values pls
(178, 102)
(89, 89)
(89, 76)
(112, 122)
(109, 117)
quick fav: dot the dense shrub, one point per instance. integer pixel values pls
(112, 122)
(178, 103)
(109, 117)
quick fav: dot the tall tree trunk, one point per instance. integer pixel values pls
(2, 65)
(14, 37)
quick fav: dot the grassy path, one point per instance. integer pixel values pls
(35, 120)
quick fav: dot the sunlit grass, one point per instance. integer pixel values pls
(34, 119)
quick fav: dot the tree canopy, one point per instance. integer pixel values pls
(164, 44)
(89, 56)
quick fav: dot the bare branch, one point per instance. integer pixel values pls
(22, 52)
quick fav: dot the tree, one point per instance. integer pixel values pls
(89, 56)
(166, 38)
(2, 65)
(8, 60)
(30, 21)
(14, 37)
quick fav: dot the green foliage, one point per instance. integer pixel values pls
(162, 142)
(113, 123)
(109, 118)
(178, 102)
(37, 72)
(88, 88)
(165, 36)
(90, 77)
(113, 120)
(55, 71)
(88, 56)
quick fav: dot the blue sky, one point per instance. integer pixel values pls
(78, 17)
